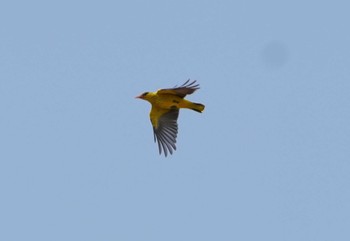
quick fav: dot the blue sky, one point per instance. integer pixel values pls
(267, 160)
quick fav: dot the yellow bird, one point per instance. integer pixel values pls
(165, 111)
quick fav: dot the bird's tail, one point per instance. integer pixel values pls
(197, 107)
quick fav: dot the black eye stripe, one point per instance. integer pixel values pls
(144, 93)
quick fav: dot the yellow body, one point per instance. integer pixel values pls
(163, 102)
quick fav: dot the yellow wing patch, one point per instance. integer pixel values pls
(155, 114)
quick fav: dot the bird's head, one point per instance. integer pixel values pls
(145, 96)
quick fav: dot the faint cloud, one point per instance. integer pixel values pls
(274, 55)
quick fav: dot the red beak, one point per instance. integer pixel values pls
(140, 97)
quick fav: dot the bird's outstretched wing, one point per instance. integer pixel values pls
(186, 89)
(165, 130)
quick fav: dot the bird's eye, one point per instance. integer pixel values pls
(144, 94)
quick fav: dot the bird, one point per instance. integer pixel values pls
(164, 113)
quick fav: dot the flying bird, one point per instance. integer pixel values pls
(165, 111)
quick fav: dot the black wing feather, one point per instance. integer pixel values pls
(166, 132)
(186, 88)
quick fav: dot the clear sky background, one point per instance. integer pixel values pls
(267, 160)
